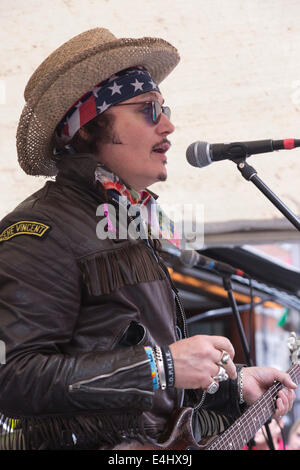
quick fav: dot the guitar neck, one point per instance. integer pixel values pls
(245, 427)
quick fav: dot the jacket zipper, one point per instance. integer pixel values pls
(179, 305)
(197, 407)
(182, 314)
(180, 309)
(113, 390)
(82, 384)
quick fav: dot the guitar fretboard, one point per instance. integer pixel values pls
(245, 427)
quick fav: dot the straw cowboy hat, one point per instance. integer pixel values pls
(68, 73)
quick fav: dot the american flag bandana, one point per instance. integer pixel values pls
(159, 224)
(119, 87)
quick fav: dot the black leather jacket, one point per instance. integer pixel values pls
(75, 315)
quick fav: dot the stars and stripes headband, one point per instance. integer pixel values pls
(119, 87)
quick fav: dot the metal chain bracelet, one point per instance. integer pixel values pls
(240, 385)
(160, 367)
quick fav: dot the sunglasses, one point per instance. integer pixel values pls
(156, 109)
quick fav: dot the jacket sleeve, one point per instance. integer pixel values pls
(40, 298)
(226, 400)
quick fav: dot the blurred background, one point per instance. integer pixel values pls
(238, 80)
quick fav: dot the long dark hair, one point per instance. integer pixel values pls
(97, 131)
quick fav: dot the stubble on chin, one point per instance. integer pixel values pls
(162, 177)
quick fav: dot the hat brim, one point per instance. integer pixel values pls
(47, 106)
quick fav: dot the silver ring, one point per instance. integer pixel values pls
(225, 358)
(213, 388)
(222, 375)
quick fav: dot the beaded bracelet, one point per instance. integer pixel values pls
(154, 373)
(162, 367)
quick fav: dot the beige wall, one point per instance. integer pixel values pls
(239, 79)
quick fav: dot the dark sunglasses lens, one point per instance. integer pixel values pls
(167, 111)
(157, 109)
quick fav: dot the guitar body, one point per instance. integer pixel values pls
(243, 429)
(180, 436)
(235, 437)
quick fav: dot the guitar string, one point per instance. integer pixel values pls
(238, 437)
(246, 420)
(267, 405)
(231, 436)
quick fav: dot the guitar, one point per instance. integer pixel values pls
(243, 429)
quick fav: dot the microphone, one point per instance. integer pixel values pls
(201, 154)
(191, 258)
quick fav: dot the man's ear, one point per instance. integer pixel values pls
(84, 134)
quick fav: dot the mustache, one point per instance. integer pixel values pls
(162, 142)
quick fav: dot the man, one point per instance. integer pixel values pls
(294, 436)
(97, 354)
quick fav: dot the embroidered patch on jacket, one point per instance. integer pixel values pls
(24, 227)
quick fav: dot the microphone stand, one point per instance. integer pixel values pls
(227, 283)
(250, 174)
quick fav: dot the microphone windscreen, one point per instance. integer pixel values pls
(197, 154)
(189, 258)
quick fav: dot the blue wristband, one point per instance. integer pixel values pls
(154, 373)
